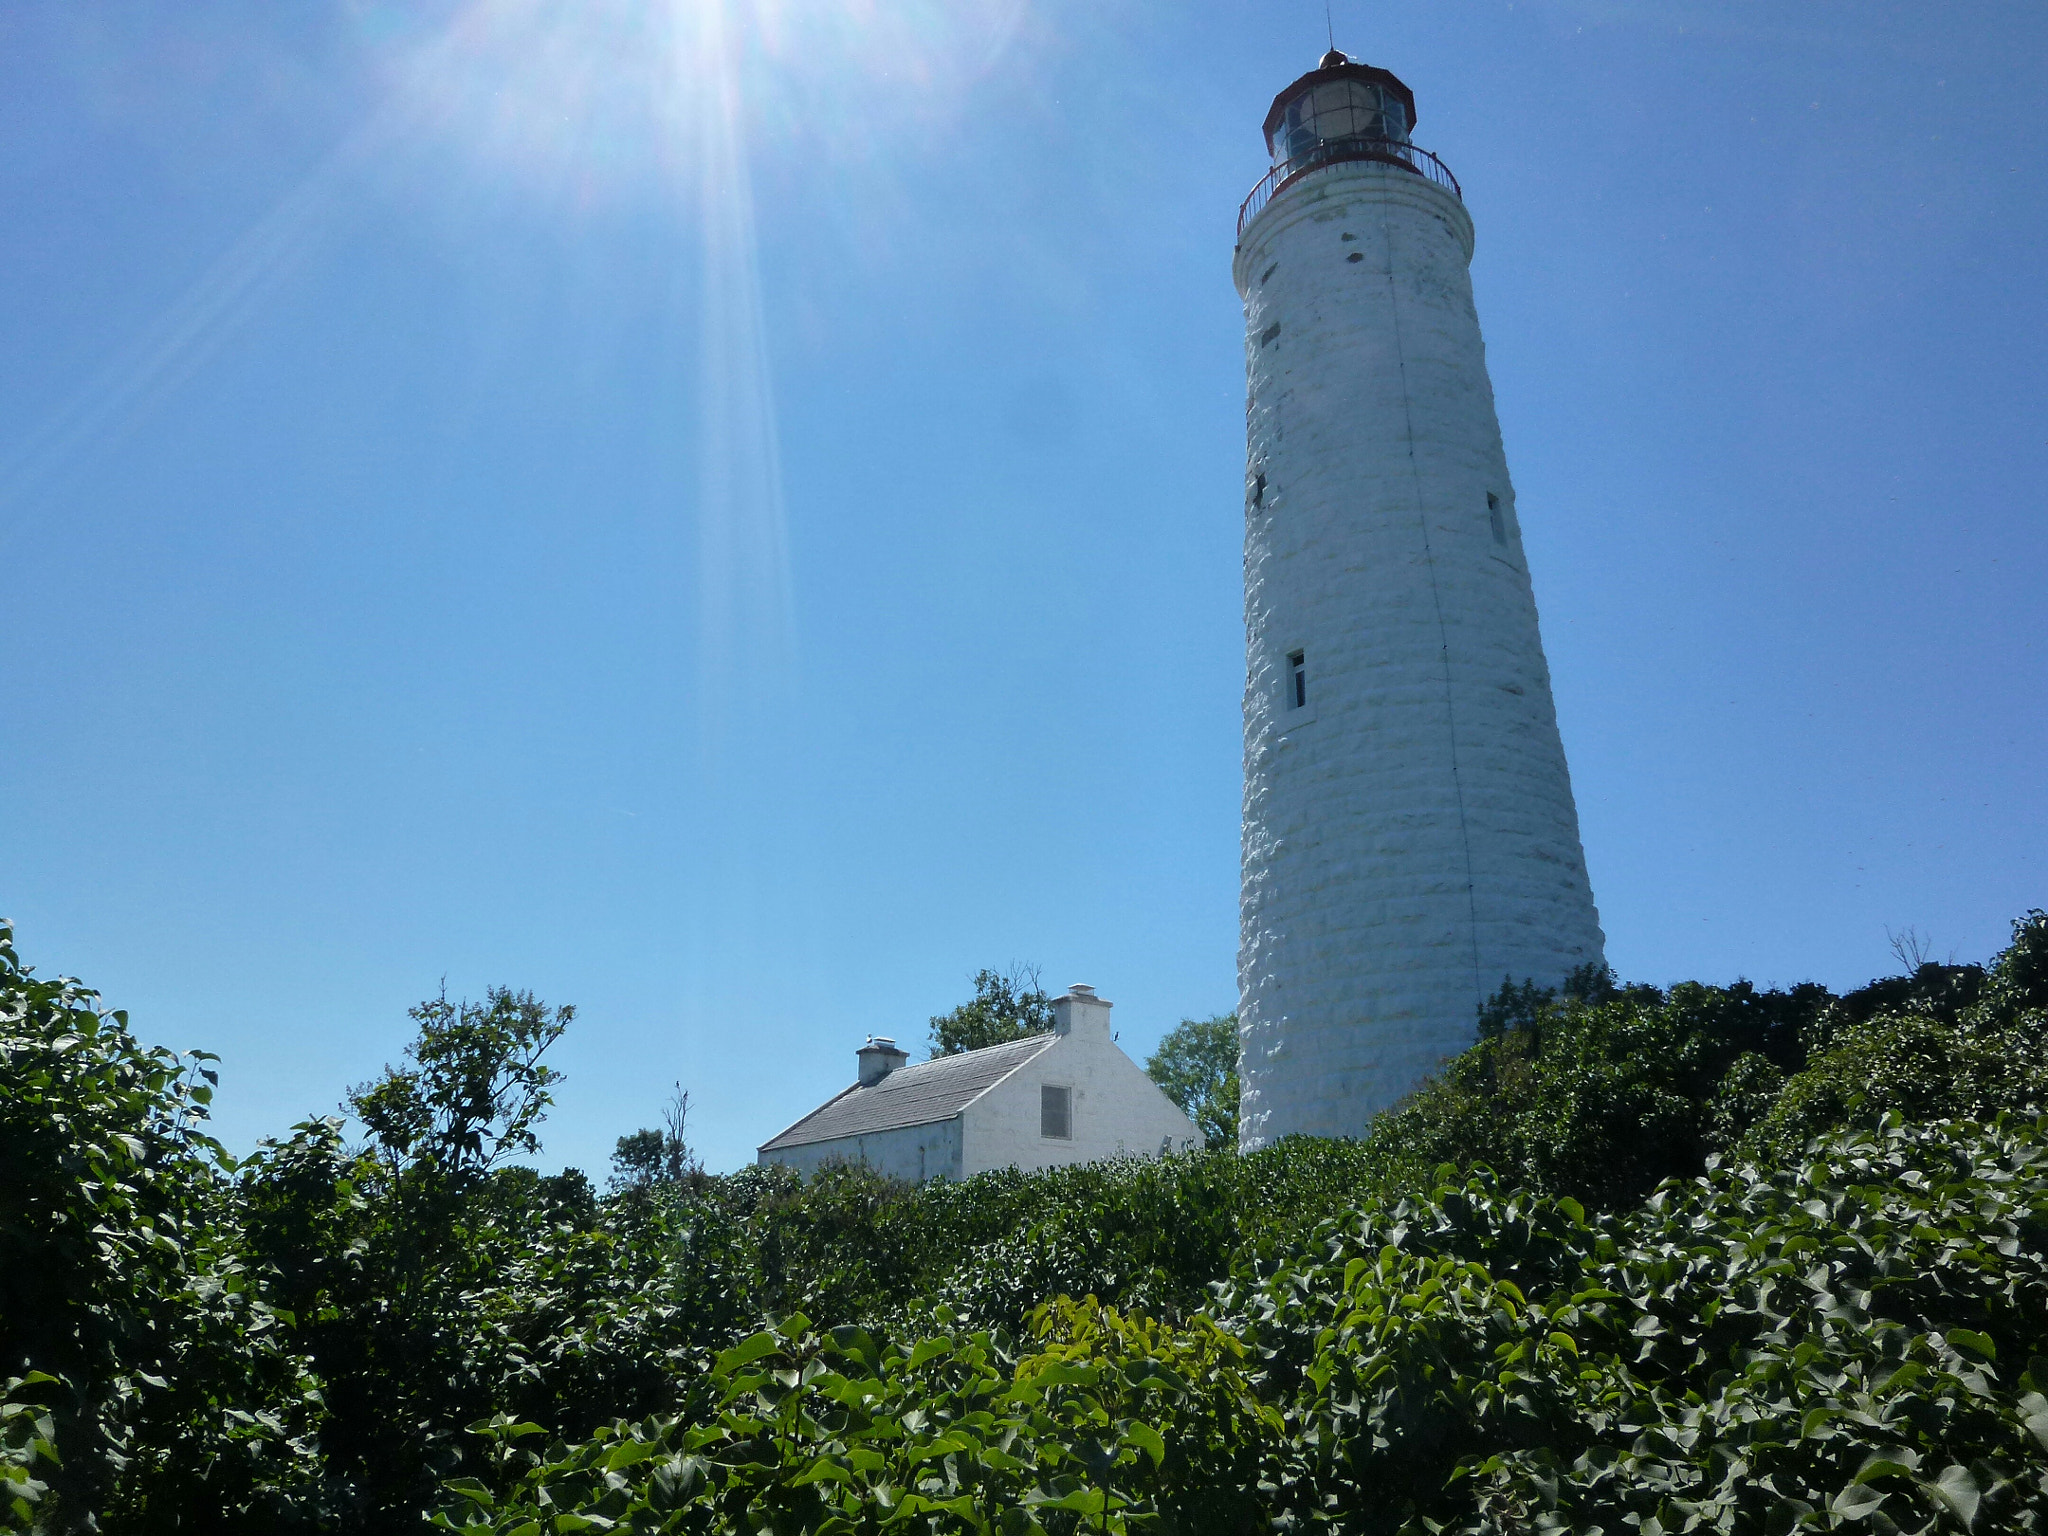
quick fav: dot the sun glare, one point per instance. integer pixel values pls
(678, 100)
(603, 97)
(582, 104)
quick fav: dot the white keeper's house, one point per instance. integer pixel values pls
(1071, 1096)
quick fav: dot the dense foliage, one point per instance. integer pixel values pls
(1607, 1091)
(1362, 1335)
(1855, 1341)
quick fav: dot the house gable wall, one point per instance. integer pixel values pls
(1116, 1110)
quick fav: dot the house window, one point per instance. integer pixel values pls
(1498, 519)
(1297, 679)
(1056, 1112)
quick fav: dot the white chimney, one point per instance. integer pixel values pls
(878, 1058)
(1081, 1012)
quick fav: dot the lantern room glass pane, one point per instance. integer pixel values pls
(1336, 110)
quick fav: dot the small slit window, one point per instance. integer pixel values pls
(1498, 518)
(1297, 679)
(1056, 1113)
(1269, 333)
(1259, 491)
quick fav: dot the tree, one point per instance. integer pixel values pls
(476, 1087)
(1948, 1040)
(1197, 1066)
(1604, 1091)
(1006, 1006)
(658, 1154)
(105, 1175)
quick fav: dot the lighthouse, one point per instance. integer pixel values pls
(1410, 839)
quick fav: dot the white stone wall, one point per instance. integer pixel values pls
(1116, 1109)
(1409, 836)
(913, 1152)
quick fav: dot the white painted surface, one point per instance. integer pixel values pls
(1115, 1111)
(1410, 837)
(912, 1152)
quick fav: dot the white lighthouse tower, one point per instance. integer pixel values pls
(1409, 833)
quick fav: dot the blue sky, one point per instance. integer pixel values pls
(727, 512)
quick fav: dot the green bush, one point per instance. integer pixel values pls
(1604, 1095)
(1855, 1341)
(1947, 1041)
(1661, 1310)
(1605, 1092)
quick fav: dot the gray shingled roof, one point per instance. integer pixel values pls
(925, 1094)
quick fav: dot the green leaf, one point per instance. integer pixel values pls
(630, 1454)
(746, 1352)
(2034, 1414)
(1879, 1465)
(857, 1342)
(1082, 1501)
(1148, 1440)
(1977, 1344)
(1857, 1501)
(823, 1470)
(1957, 1488)
(470, 1488)
(944, 1445)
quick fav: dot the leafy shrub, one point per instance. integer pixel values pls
(803, 1431)
(1844, 1342)
(1947, 1041)
(123, 1311)
(1604, 1095)
(297, 1343)
(422, 1303)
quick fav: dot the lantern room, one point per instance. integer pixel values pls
(1336, 107)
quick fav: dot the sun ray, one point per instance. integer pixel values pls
(745, 625)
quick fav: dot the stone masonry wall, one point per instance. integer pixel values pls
(1409, 836)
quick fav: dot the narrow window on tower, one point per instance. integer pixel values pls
(1259, 491)
(1297, 679)
(1056, 1113)
(1498, 519)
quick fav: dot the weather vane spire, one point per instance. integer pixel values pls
(1329, 26)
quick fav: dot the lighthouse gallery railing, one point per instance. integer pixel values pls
(1334, 152)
